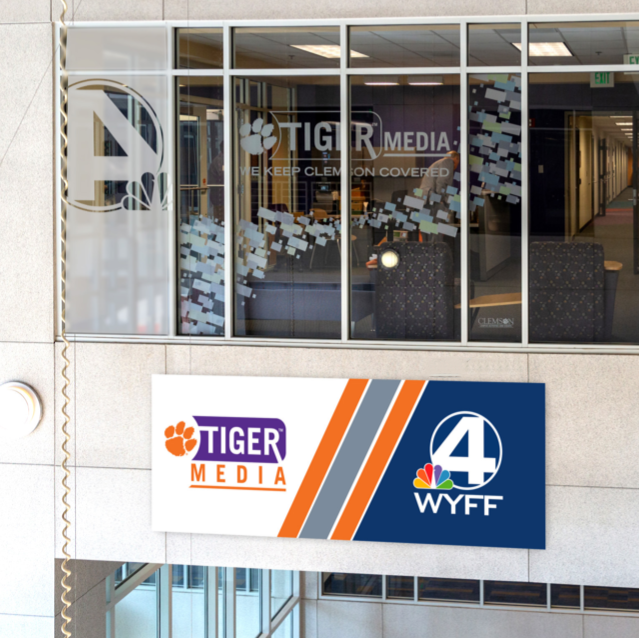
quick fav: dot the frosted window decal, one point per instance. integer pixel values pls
(119, 201)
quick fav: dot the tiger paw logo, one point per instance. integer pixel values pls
(261, 138)
(178, 439)
(433, 478)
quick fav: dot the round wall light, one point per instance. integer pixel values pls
(389, 259)
(20, 410)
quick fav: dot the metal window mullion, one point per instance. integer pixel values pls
(345, 206)
(463, 149)
(481, 593)
(229, 602)
(165, 601)
(582, 598)
(172, 187)
(265, 601)
(210, 601)
(229, 248)
(525, 200)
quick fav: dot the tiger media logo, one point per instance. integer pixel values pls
(233, 452)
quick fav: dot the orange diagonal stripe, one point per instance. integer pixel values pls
(323, 457)
(377, 461)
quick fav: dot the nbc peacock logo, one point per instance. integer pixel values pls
(433, 478)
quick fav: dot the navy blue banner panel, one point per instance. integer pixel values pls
(469, 469)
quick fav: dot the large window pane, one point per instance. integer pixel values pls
(201, 205)
(136, 615)
(557, 43)
(199, 49)
(288, 239)
(584, 251)
(405, 207)
(494, 44)
(281, 589)
(402, 46)
(118, 213)
(494, 205)
(188, 603)
(286, 48)
(248, 614)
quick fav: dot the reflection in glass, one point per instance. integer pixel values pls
(405, 207)
(492, 44)
(285, 630)
(119, 200)
(188, 601)
(199, 49)
(286, 48)
(513, 593)
(136, 614)
(565, 596)
(400, 587)
(248, 606)
(584, 250)
(201, 205)
(611, 598)
(577, 43)
(450, 589)
(287, 207)
(494, 205)
(402, 46)
(339, 584)
(281, 589)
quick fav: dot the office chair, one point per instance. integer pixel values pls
(414, 292)
(572, 294)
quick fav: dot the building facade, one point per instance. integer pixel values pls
(207, 238)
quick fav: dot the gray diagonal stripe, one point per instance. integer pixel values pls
(349, 459)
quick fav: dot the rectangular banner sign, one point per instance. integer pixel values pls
(437, 462)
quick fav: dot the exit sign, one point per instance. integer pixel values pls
(631, 58)
(601, 79)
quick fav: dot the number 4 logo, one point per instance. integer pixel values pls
(477, 465)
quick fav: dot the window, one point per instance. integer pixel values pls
(156, 600)
(288, 239)
(355, 183)
(478, 593)
(510, 593)
(583, 253)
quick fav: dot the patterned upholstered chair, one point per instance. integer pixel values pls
(571, 294)
(415, 298)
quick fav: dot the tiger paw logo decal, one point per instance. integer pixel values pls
(433, 478)
(178, 439)
(261, 139)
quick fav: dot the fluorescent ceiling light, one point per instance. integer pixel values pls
(425, 80)
(381, 83)
(546, 49)
(326, 50)
(623, 123)
(624, 116)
